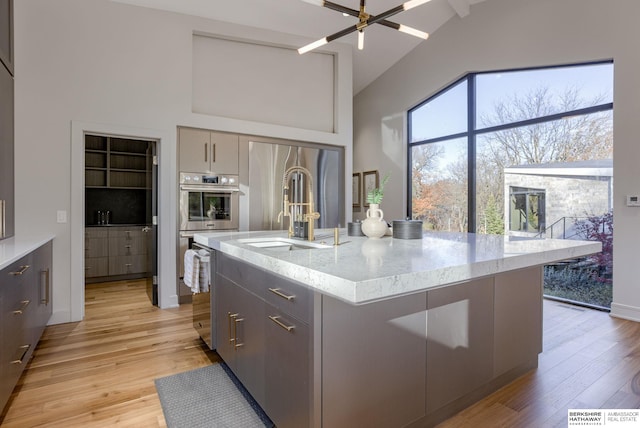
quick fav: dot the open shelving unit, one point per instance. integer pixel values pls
(117, 163)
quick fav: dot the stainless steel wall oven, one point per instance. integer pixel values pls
(208, 202)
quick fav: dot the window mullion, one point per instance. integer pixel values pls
(471, 153)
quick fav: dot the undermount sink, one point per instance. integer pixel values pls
(283, 243)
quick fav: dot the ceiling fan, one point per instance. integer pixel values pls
(364, 20)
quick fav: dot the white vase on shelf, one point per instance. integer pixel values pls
(374, 225)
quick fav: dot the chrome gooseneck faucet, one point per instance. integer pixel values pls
(311, 215)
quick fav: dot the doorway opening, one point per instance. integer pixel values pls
(120, 210)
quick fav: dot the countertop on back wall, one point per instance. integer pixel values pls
(362, 270)
(12, 249)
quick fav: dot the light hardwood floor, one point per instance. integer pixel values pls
(100, 372)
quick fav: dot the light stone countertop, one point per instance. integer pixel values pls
(362, 270)
(11, 249)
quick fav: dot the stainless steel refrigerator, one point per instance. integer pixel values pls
(267, 165)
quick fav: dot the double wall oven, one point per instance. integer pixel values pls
(208, 202)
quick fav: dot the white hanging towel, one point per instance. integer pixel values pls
(203, 277)
(192, 269)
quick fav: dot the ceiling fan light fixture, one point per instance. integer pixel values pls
(413, 32)
(408, 5)
(364, 20)
(311, 46)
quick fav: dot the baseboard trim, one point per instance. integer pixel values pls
(631, 313)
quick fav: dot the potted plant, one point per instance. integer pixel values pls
(376, 194)
(374, 225)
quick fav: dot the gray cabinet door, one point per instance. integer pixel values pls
(459, 340)
(224, 153)
(6, 154)
(287, 369)
(42, 261)
(206, 151)
(241, 339)
(373, 362)
(518, 318)
(194, 145)
(6, 34)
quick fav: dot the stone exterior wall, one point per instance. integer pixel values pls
(566, 196)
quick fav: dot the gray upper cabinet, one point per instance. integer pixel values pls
(6, 121)
(6, 34)
(206, 151)
(6, 155)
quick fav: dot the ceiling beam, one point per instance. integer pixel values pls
(460, 6)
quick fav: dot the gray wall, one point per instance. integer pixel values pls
(504, 34)
(108, 67)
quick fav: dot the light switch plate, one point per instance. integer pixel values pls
(633, 201)
(61, 216)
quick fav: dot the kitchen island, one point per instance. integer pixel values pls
(378, 333)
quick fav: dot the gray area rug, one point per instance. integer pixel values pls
(208, 397)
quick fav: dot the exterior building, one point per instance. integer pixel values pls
(547, 199)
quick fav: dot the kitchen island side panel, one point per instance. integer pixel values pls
(373, 362)
(517, 318)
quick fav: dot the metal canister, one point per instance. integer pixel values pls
(354, 229)
(407, 229)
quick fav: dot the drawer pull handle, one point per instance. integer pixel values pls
(46, 285)
(276, 319)
(231, 316)
(237, 344)
(24, 304)
(25, 349)
(22, 270)
(277, 292)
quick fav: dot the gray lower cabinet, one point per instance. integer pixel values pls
(96, 252)
(287, 368)
(409, 361)
(264, 337)
(241, 334)
(460, 340)
(373, 362)
(127, 250)
(25, 303)
(115, 251)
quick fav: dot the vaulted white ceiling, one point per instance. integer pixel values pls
(383, 46)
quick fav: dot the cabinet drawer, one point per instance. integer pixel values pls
(96, 247)
(248, 276)
(127, 233)
(96, 266)
(123, 246)
(96, 232)
(123, 265)
(288, 296)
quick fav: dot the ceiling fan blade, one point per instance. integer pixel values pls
(325, 40)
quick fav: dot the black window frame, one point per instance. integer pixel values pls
(472, 133)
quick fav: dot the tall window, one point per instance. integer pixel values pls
(462, 139)
(525, 153)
